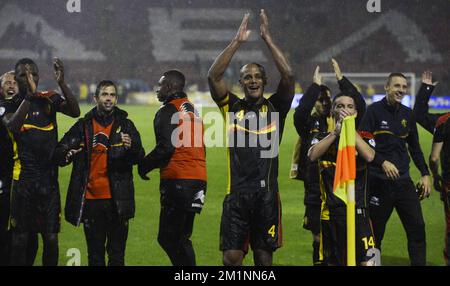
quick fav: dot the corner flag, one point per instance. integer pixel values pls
(344, 180)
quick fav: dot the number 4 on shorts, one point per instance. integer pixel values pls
(271, 230)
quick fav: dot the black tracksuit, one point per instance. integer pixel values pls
(395, 132)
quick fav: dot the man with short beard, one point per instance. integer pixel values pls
(103, 146)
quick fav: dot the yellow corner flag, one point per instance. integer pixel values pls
(344, 180)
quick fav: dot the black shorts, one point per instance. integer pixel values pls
(186, 195)
(253, 217)
(36, 206)
(311, 219)
(333, 240)
(312, 191)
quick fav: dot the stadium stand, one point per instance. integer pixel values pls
(401, 38)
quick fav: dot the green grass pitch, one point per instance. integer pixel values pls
(142, 245)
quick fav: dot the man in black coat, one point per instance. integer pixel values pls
(103, 146)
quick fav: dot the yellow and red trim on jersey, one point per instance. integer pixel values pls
(26, 127)
(268, 129)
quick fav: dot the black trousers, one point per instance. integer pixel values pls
(28, 241)
(5, 239)
(401, 195)
(180, 201)
(175, 230)
(104, 231)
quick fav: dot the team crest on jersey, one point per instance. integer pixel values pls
(404, 122)
(372, 142)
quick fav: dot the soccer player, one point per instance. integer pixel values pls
(8, 86)
(103, 146)
(251, 209)
(35, 198)
(9, 161)
(312, 116)
(8, 89)
(440, 151)
(394, 129)
(180, 155)
(324, 149)
(436, 123)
